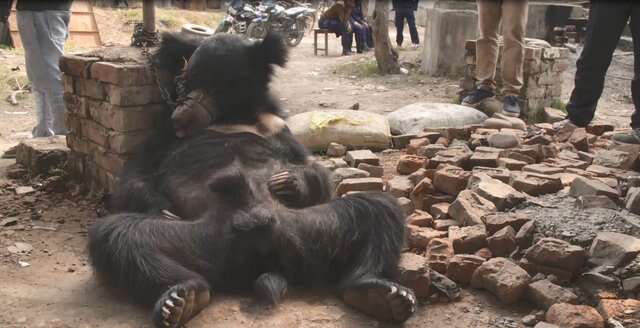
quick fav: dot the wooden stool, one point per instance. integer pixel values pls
(317, 31)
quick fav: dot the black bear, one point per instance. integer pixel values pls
(255, 211)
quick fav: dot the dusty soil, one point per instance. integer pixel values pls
(57, 289)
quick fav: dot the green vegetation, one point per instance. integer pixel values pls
(172, 18)
(12, 80)
(360, 69)
(559, 104)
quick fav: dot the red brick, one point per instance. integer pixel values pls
(121, 74)
(414, 144)
(360, 184)
(410, 163)
(421, 219)
(451, 180)
(133, 96)
(439, 251)
(125, 119)
(77, 66)
(90, 88)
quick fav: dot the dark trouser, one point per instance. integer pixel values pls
(340, 29)
(363, 35)
(606, 21)
(401, 15)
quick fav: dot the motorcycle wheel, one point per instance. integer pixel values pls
(294, 38)
(257, 31)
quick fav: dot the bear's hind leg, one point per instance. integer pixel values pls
(180, 303)
(380, 298)
(270, 288)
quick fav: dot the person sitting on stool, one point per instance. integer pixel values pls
(361, 29)
(336, 20)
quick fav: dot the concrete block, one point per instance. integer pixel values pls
(39, 155)
(445, 33)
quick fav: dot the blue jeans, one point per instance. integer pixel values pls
(340, 29)
(363, 35)
(43, 34)
(401, 15)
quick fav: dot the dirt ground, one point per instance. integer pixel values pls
(57, 288)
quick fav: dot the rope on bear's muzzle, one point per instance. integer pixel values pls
(183, 97)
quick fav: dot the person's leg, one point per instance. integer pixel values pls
(347, 38)
(27, 27)
(43, 117)
(634, 136)
(358, 31)
(606, 22)
(413, 30)
(370, 42)
(51, 38)
(399, 20)
(489, 15)
(635, 84)
(514, 23)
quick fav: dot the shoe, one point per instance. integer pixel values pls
(631, 137)
(415, 46)
(564, 125)
(563, 130)
(511, 106)
(477, 97)
(399, 44)
(346, 53)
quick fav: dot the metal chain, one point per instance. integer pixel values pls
(142, 38)
(164, 93)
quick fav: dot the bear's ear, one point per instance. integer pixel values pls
(272, 50)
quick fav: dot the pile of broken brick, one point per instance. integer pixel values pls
(459, 188)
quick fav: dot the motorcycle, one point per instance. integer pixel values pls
(291, 22)
(238, 20)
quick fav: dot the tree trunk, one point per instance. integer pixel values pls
(386, 56)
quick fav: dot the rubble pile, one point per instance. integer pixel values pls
(461, 189)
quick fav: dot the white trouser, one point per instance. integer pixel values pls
(43, 34)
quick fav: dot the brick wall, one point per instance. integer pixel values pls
(543, 69)
(112, 104)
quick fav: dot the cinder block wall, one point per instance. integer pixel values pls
(543, 69)
(113, 104)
